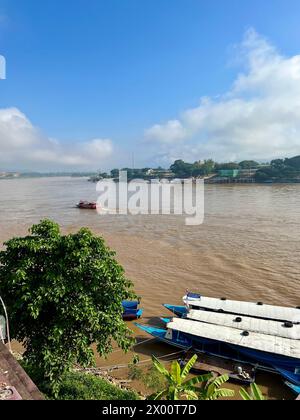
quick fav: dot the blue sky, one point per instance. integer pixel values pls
(114, 70)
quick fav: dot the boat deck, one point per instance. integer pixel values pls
(274, 328)
(255, 310)
(261, 342)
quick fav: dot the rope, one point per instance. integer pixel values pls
(135, 345)
(116, 367)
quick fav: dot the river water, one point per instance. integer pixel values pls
(247, 248)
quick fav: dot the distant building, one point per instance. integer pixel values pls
(160, 173)
(229, 173)
(9, 174)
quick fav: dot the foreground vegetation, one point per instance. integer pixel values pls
(63, 294)
(203, 387)
(81, 386)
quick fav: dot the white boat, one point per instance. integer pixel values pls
(245, 323)
(259, 342)
(255, 310)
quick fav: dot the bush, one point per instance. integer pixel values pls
(82, 386)
(154, 380)
(79, 386)
(135, 373)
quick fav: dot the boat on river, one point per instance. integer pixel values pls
(86, 205)
(265, 351)
(266, 337)
(131, 310)
(257, 310)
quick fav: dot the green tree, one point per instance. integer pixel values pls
(293, 162)
(114, 173)
(63, 293)
(248, 164)
(177, 386)
(254, 395)
(229, 165)
(208, 166)
(278, 164)
(182, 169)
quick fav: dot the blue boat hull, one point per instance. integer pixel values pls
(179, 311)
(294, 388)
(131, 311)
(290, 376)
(160, 335)
(262, 360)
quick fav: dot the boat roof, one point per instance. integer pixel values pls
(275, 328)
(262, 342)
(256, 310)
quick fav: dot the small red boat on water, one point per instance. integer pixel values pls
(86, 205)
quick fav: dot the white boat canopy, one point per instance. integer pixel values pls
(266, 343)
(276, 313)
(275, 328)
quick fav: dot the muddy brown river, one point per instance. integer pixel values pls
(247, 248)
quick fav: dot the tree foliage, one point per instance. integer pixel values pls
(280, 169)
(63, 293)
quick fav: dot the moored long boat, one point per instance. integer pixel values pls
(246, 323)
(131, 310)
(265, 352)
(277, 346)
(255, 310)
(266, 336)
(176, 309)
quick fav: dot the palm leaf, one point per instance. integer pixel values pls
(224, 393)
(173, 395)
(160, 367)
(198, 380)
(157, 396)
(175, 372)
(188, 367)
(220, 380)
(257, 394)
(212, 387)
(191, 395)
(245, 395)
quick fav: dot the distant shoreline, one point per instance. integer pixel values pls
(209, 181)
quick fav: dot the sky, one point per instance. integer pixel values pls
(93, 84)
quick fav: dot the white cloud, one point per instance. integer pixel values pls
(259, 116)
(22, 145)
(168, 133)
